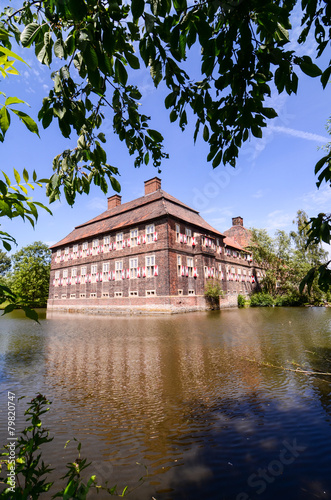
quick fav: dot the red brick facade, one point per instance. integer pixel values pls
(151, 254)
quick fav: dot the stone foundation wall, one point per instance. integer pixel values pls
(131, 305)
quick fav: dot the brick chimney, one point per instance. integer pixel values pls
(114, 201)
(237, 221)
(152, 185)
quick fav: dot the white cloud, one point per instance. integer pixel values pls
(319, 198)
(97, 203)
(258, 194)
(278, 219)
(308, 136)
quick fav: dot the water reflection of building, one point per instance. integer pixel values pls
(151, 253)
(144, 382)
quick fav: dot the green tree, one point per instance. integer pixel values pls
(5, 263)
(94, 47)
(287, 259)
(29, 279)
(243, 50)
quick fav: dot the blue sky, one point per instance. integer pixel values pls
(274, 176)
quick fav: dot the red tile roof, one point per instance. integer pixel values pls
(142, 209)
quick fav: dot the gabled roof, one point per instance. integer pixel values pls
(143, 209)
(240, 234)
(230, 242)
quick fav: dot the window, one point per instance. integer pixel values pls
(190, 266)
(134, 237)
(217, 242)
(234, 253)
(57, 275)
(133, 268)
(179, 265)
(119, 241)
(66, 251)
(72, 295)
(133, 294)
(65, 273)
(105, 267)
(177, 232)
(149, 293)
(95, 244)
(85, 248)
(75, 249)
(82, 295)
(188, 233)
(118, 269)
(150, 266)
(93, 295)
(83, 271)
(191, 292)
(64, 296)
(74, 272)
(94, 270)
(106, 240)
(56, 296)
(105, 294)
(118, 294)
(180, 292)
(58, 253)
(150, 229)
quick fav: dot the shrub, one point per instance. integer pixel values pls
(262, 300)
(241, 301)
(213, 291)
(28, 475)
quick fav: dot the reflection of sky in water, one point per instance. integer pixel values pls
(184, 395)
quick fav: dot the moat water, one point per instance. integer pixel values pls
(192, 399)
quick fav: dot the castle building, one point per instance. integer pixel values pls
(151, 254)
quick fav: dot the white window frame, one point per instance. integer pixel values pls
(133, 293)
(177, 228)
(66, 251)
(58, 253)
(118, 269)
(105, 294)
(134, 267)
(118, 294)
(191, 292)
(188, 233)
(75, 249)
(93, 295)
(150, 265)
(134, 233)
(94, 270)
(74, 272)
(83, 271)
(150, 293)
(190, 265)
(179, 265)
(85, 248)
(180, 291)
(57, 275)
(65, 273)
(72, 296)
(105, 267)
(106, 240)
(150, 230)
(119, 241)
(82, 295)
